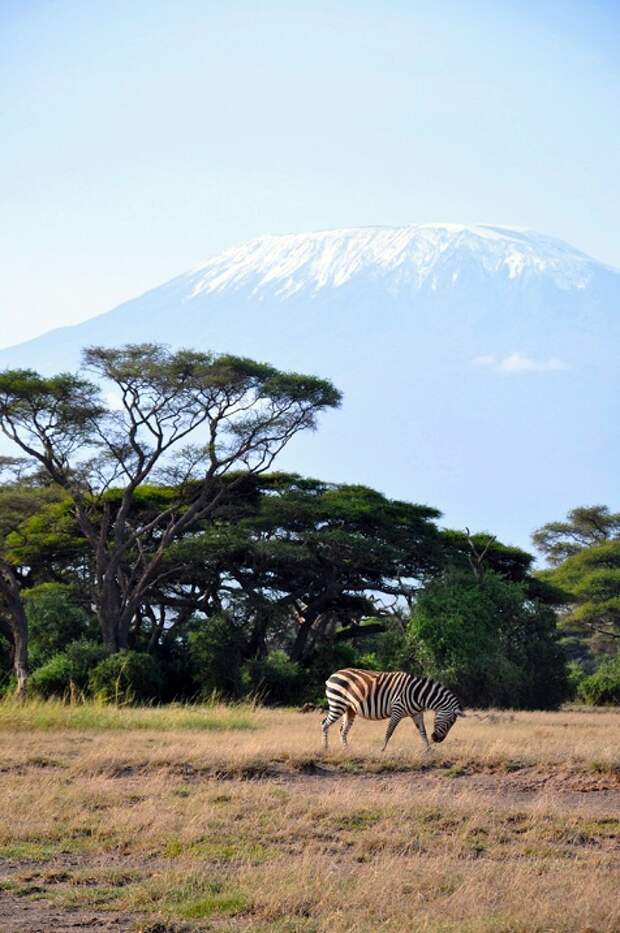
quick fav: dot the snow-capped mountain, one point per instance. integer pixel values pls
(442, 275)
(415, 257)
(478, 362)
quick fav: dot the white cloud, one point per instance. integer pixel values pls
(519, 363)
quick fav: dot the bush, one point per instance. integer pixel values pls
(383, 651)
(6, 664)
(489, 642)
(54, 621)
(67, 670)
(214, 648)
(575, 675)
(327, 658)
(603, 686)
(127, 677)
(275, 679)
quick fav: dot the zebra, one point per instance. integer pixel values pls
(388, 695)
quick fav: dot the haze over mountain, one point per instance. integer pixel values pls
(479, 363)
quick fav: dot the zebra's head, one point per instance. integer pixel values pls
(444, 720)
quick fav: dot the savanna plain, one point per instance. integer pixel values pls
(233, 818)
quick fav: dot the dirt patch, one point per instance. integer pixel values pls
(579, 788)
(498, 786)
(574, 790)
(25, 915)
(510, 773)
(28, 904)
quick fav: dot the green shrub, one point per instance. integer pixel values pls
(127, 677)
(55, 621)
(67, 670)
(384, 651)
(575, 675)
(489, 642)
(603, 686)
(275, 679)
(327, 658)
(214, 648)
(6, 664)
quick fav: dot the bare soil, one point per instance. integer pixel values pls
(22, 915)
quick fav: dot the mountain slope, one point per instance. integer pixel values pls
(478, 362)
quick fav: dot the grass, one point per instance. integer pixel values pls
(512, 824)
(214, 897)
(218, 848)
(30, 851)
(55, 715)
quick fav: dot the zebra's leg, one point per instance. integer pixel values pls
(418, 719)
(395, 717)
(345, 726)
(333, 715)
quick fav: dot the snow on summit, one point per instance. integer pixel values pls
(411, 257)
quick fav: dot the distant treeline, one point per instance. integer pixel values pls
(148, 551)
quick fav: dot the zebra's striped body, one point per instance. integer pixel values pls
(389, 695)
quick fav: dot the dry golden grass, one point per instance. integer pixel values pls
(511, 825)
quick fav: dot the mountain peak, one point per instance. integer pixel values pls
(411, 257)
(445, 339)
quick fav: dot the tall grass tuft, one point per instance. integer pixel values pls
(82, 714)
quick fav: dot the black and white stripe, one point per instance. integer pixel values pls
(389, 695)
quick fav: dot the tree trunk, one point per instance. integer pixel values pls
(18, 625)
(108, 635)
(157, 627)
(256, 644)
(308, 618)
(20, 661)
(107, 616)
(110, 615)
(298, 650)
(122, 630)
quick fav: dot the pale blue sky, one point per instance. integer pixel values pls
(137, 138)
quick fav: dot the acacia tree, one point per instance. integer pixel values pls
(585, 526)
(301, 561)
(102, 450)
(20, 498)
(584, 557)
(590, 579)
(13, 622)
